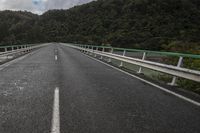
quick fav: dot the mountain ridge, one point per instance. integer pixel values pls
(143, 24)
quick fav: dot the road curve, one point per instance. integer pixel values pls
(58, 89)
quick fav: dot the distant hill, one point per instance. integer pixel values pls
(144, 24)
(19, 28)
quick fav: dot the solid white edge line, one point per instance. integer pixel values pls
(150, 83)
(13, 61)
(3, 66)
(56, 113)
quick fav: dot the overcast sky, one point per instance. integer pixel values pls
(39, 6)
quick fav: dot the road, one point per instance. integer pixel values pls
(56, 88)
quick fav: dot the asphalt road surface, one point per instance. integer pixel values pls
(56, 89)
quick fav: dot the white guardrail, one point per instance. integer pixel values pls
(176, 71)
(9, 52)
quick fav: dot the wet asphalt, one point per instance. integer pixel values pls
(94, 98)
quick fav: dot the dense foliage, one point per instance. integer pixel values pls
(144, 24)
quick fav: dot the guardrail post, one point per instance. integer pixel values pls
(143, 58)
(95, 55)
(178, 65)
(92, 50)
(5, 49)
(22, 48)
(26, 48)
(122, 63)
(185, 73)
(109, 60)
(84, 49)
(102, 52)
(81, 48)
(87, 48)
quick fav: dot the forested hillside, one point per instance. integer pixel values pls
(145, 24)
(18, 28)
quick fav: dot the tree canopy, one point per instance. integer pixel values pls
(144, 24)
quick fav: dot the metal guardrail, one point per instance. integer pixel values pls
(13, 51)
(176, 71)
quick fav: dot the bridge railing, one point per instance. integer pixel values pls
(152, 60)
(9, 52)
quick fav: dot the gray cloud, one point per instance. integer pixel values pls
(39, 6)
(64, 4)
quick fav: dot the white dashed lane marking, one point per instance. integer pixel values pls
(56, 113)
(56, 57)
